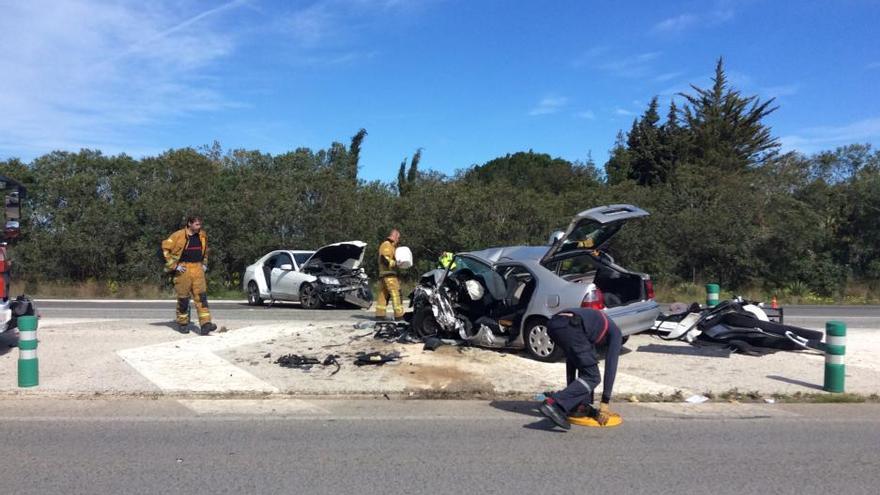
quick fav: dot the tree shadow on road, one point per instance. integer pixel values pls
(795, 382)
(679, 350)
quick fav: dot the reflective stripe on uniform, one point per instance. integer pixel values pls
(584, 383)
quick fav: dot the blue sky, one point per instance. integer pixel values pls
(467, 80)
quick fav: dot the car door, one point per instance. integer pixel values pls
(282, 279)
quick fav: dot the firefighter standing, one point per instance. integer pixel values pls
(186, 257)
(389, 283)
(578, 332)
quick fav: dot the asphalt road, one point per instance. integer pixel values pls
(805, 316)
(433, 447)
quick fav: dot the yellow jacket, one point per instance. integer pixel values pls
(173, 247)
(387, 262)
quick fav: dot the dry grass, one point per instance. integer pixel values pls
(92, 289)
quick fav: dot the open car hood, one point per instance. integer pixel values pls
(349, 254)
(591, 229)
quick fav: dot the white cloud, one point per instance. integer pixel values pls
(589, 55)
(683, 22)
(549, 105)
(633, 66)
(623, 112)
(676, 24)
(781, 90)
(668, 76)
(586, 114)
(81, 73)
(815, 139)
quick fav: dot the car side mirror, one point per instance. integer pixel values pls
(286, 267)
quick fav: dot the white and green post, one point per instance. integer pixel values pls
(835, 350)
(28, 365)
(712, 293)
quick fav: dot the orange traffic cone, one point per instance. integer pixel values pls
(774, 304)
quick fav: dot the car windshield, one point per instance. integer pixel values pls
(301, 258)
(463, 263)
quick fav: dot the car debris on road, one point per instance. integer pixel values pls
(740, 325)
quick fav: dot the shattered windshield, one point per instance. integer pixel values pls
(471, 264)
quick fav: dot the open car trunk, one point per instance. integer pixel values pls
(619, 286)
(577, 255)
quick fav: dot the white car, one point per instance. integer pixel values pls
(331, 275)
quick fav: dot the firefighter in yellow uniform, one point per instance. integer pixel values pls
(186, 257)
(389, 283)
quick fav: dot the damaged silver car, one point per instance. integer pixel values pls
(329, 276)
(504, 297)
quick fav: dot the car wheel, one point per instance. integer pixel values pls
(538, 343)
(424, 323)
(253, 295)
(308, 297)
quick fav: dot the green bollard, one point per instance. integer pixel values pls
(712, 291)
(835, 349)
(28, 365)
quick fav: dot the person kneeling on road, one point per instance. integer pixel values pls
(578, 332)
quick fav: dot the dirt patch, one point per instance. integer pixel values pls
(449, 379)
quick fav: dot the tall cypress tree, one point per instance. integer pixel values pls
(726, 127)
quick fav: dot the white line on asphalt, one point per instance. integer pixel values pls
(191, 365)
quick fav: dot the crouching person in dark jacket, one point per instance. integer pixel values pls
(578, 332)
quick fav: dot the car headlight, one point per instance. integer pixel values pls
(328, 280)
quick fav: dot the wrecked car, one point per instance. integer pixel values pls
(331, 275)
(504, 297)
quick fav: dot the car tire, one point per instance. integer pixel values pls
(308, 297)
(424, 324)
(538, 344)
(253, 295)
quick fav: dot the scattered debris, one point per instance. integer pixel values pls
(297, 361)
(268, 355)
(180, 459)
(432, 343)
(696, 399)
(364, 324)
(375, 358)
(332, 359)
(223, 330)
(770, 401)
(393, 331)
(739, 325)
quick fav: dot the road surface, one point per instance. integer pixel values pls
(805, 316)
(412, 447)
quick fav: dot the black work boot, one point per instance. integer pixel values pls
(584, 411)
(207, 328)
(183, 327)
(554, 413)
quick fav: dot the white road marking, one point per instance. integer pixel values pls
(276, 407)
(191, 365)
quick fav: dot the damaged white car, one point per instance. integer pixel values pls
(331, 275)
